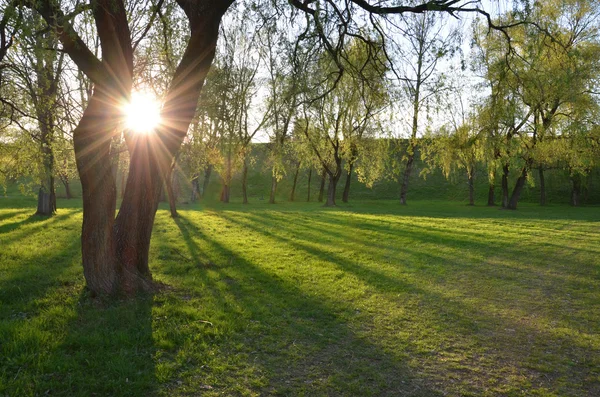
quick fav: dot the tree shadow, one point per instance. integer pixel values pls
(454, 310)
(299, 342)
(56, 340)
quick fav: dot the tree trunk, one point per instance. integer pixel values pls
(293, 192)
(491, 199)
(406, 178)
(542, 186)
(207, 173)
(67, 185)
(331, 189)
(505, 171)
(225, 193)
(471, 181)
(346, 194)
(273, 189)
(115, 250)
(171, 192)
(195, 188)
(245, 182)
(309, 178)
(576, 190)
(322, 187)
(514, 198)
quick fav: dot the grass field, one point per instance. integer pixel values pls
(367, 299)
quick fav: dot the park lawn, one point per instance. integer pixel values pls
(371, 298)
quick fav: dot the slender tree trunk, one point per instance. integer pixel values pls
(471, 181)
(67, 185)
(516, 194)
(406, 178)
(273, 189)
(293, 191)
(309, 178)
(505, 171)
(333, 180)
(491, 199)
(322, 187)
(576, 190)
(47, 194)
(207, 173)
(195, 188)
(169, 182)
(346, 194)
(542, 186)
(245, 182)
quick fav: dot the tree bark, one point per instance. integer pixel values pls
(542, 186)
(516, 194)
(322, 187)
(346, 194)
(293, 191)
(505, 200)
(245, 181)
(273, 189)
(308, 189)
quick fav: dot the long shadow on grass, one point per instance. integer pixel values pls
(453, 314)
(53, 339)
(301, 343)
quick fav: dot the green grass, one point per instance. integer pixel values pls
(365, 299)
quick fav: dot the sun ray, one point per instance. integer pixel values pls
(142, 113)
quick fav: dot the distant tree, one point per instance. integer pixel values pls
(429, 41)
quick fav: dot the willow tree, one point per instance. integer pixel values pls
(115, 249)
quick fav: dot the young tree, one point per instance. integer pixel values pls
(427, 45)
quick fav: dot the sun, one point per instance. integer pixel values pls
(142, 113)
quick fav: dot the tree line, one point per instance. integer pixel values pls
(333, 88)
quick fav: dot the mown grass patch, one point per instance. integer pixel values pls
(294, 299)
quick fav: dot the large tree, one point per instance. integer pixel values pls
(115, 249)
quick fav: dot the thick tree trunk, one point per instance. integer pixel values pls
(322, 187)
(245, 182)
(308, 189)
(115, 250)
(293, 191)
(346, 194)
(516, 194)
(542, 186)
(491, 199)
(273, 189)
(576, 190)
(406, 178)
(505, 171)
(207, 174)
(471, 181)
